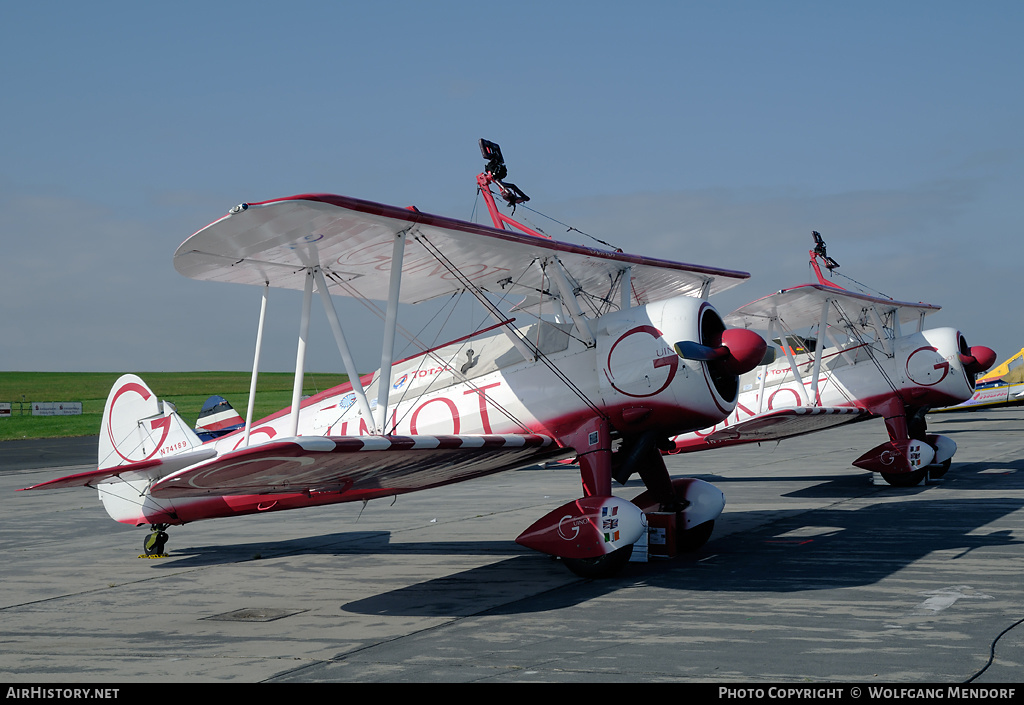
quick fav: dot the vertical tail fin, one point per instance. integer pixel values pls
(137, 426)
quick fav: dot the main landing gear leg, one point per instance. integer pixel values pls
(595, 459)
(912, 454)
(903, 426)
(662, 494)
(592, 535)
(594, 452)
(153, 546)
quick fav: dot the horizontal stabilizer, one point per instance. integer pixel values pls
(144, 470)
(774, 426)
(308, 464)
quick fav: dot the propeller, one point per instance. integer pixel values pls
(980, 359)
(741, 351)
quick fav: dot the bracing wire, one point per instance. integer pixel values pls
(863, 287)
(570, 228)
(852, 327)
(376, 310)
(540, 356)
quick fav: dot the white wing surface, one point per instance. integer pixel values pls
(351, 241)
(801, 306)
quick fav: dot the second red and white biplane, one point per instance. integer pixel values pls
(585, 366)
(863, 356)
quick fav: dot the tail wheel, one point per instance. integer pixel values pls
(602, 566)
(154, 544)
(689, 540)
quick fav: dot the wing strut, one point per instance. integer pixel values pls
(764, 371)
(387, 353)
(843, 347)
(819, 349)
(569, 298)
(339, 338)
(786, 336)
(880, 335)
(300, 353)
(625, 288)
(705, 288)
(256, 365)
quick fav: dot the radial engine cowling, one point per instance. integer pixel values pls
(728, 352)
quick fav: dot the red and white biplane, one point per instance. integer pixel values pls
(584, 366)
(858, 361)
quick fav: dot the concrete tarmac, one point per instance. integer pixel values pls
(813, 575)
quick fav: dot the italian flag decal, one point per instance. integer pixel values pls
(610, 524)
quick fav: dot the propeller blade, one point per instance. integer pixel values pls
(741, 351)
(689, 350)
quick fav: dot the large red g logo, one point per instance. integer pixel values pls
(638, 353)
(163, 423)
(927, 367)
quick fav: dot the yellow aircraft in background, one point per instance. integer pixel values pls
(1003, 386)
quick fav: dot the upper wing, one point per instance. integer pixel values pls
(801, 306)
(351, 241)
(774, 426)
(341, 464)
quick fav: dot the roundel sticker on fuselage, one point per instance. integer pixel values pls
(639, 363)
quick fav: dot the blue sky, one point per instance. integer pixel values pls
(718, 133)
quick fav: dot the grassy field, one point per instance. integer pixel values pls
(186, 390)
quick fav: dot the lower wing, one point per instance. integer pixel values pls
(344, 463)
(773, 426)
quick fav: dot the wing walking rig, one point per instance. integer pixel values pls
(866, 356)
(585, 365)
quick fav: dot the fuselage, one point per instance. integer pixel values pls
(924, 369)
(484, 385)
(627, 371)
